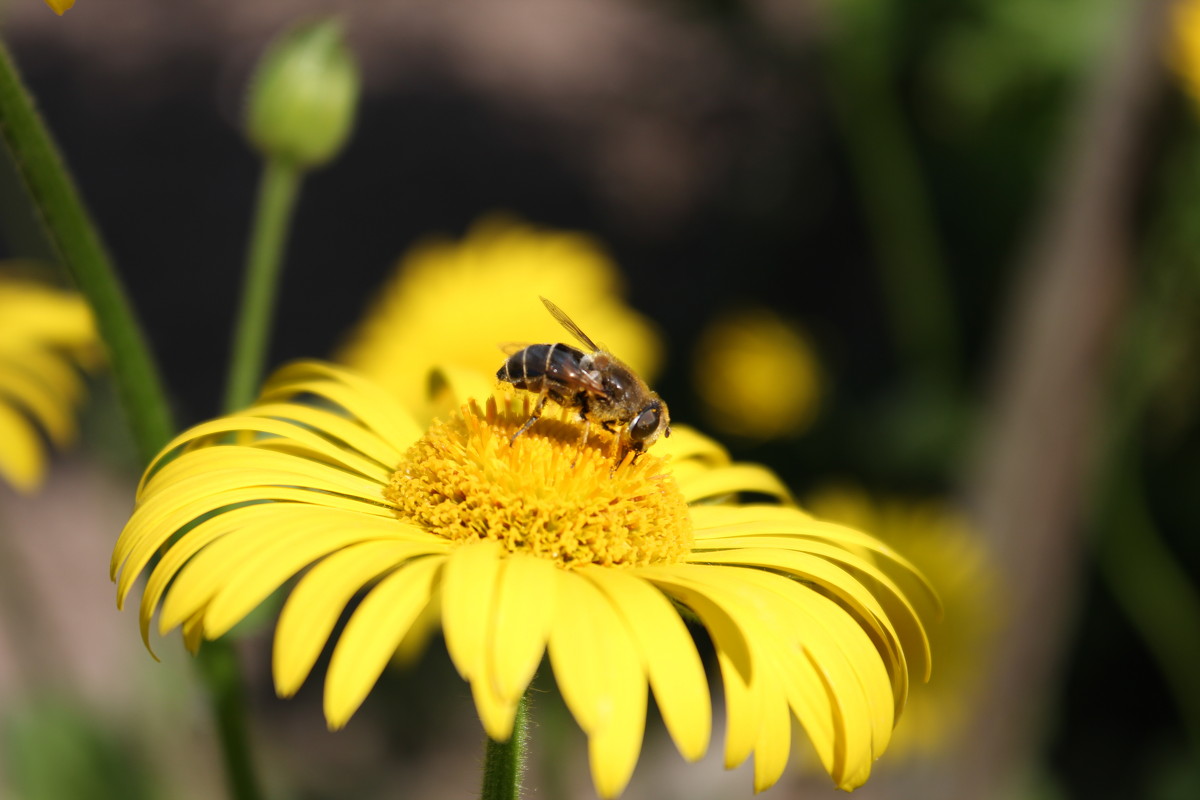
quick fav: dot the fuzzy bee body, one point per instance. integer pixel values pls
(553, 369)
(596, 384)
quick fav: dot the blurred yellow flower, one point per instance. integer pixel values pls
(757, 375)
(46, 335)
(938, 541)
(60, 6)
(457, 301)
(516, 548)
(1185, 52)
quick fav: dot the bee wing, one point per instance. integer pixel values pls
(510, 348)
(591, 384)
(570, 325)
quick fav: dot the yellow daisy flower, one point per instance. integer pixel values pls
(519, 548)
(46, 335)
(940, 543)
(455, 302)
(757, 375)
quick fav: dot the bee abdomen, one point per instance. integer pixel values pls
(531, 366)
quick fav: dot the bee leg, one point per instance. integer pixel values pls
(618, 450)
(533, 417)
(587, 429)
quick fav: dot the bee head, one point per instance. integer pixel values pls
(650, 423)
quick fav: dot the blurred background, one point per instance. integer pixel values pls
(937, 263)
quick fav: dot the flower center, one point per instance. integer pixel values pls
(546, 494)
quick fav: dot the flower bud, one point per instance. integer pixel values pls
(303, 95)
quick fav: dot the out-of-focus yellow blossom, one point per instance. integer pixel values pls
(46, 335)
(519, 548)
(938, 541)
(60, 6)
(457, 302)
(757, 375)
(1185, 50)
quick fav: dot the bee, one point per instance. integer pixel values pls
(596, 384)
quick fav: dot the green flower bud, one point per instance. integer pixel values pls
(303, 95)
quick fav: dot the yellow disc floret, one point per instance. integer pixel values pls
(547, 493)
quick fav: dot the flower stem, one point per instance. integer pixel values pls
(277, 193)
(1152, 589)
(218, 667)
(75, 241)
(898, 211)
(504, 762)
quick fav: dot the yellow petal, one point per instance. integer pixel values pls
(686, 443)
(723, 517)
(599, 672)
(613, 750)
(734, 611)
(774, 743)
(669, 657)
(314, 606)
(837, 700)
(424, 626)
(193, 631)
(743, 712)
(783, 527)
(229, 467)
(731, 480)
(265, 568)
(468, 593)
(526, 600)
(308, 531)
(721, 626)
(22, 459)
(451, 386)
(315, 444)
(333, 425)
(362, 399)
(840, 583)
(46, 397)
(60, 6)
(372, 635)
(173, 560)
(857, 683)
(159, 518)
(496, 713)
(163, 513)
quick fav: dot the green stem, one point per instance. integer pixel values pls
(277, 193)
(78, 246)
(1153, 590)
(75, 241)
(219, 669)
(898, 212)
(504, 762)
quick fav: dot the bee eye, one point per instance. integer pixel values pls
(644, 425)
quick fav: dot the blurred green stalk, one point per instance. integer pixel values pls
(77, 244)
(1152, 589)
(504, 762)
(896, 202)
(1138, 567)
(277, 193)
(74, 238)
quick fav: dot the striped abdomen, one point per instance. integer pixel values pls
(550, 368)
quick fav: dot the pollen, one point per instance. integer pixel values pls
(546, 494)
